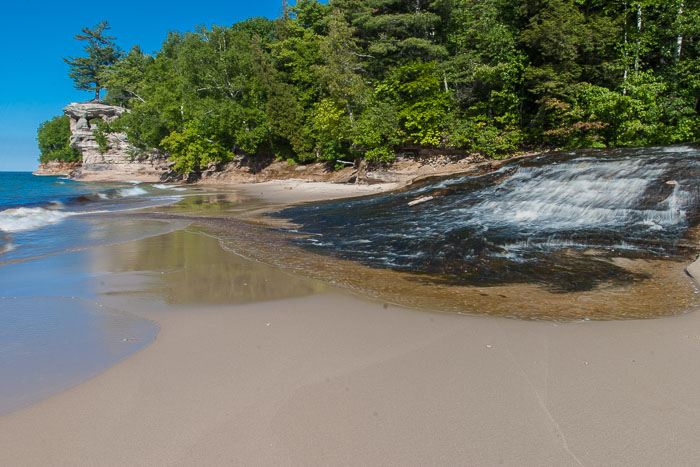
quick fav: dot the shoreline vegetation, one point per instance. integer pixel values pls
(352, 80)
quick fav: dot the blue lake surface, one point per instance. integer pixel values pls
(54, 332)
(48, 215)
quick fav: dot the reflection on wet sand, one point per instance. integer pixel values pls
(661, 289)
(222, 203)
(50, 344)
(196, 270)
(190, 267)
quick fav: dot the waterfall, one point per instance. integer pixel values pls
(532, 220)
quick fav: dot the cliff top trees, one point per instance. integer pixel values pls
(339, 80)
(87, 72)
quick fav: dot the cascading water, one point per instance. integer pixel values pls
(557, 220)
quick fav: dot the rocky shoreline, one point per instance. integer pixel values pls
(112, 158)
(57, 168)
(108, 156)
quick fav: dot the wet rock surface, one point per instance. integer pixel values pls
(561, 221)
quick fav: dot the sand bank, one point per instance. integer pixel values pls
(253, 366)
(299, 191)
(333, 380)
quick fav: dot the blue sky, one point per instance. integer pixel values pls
(35, 35)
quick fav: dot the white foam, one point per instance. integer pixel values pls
(19, 219)
(579, 194)
(133, 182)
(162, 186)
(127, 192)
(653, 225)
(681, 148)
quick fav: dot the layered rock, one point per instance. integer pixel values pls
(118, 160)
(57, 168)
(410, 165)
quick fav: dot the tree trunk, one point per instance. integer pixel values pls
(97, 95)
(625, 58)
(679, 39)
(639, 36)
(351, 115)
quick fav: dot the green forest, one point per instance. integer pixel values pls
(355, 79)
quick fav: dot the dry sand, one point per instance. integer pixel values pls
(298, 191)
(332, 379)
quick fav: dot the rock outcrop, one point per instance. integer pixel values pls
(57, 168)
(117, 160)
(407, 167)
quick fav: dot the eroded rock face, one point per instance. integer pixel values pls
(57, 168)
(120, 161)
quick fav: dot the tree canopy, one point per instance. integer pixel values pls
(364, 78)
(101, 52)
(53, 137)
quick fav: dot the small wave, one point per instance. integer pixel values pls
(162, 186)
(102, 196)
(19, 219)
(133, 182)
(6, 243)
(127, 192)
(6, 247)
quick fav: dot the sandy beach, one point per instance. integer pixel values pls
(257, 366)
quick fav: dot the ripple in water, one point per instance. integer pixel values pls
(559, 220)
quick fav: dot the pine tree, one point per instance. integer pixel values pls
(87, 72)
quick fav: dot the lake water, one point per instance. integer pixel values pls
(48, 215)
(53, 330)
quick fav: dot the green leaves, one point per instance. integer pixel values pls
(53, 137)
(352, 78)
(87, 72)
(378, 132)
(192, 152)
(421, 101)
(644, 114)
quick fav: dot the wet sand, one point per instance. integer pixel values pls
(257, 366)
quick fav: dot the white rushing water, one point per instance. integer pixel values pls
(20, 219)
(513, 221)
(586, 194)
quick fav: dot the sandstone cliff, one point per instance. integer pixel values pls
(407, 167)
(57, 168)
(119, 160)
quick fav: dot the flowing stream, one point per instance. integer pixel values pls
(561, 221)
